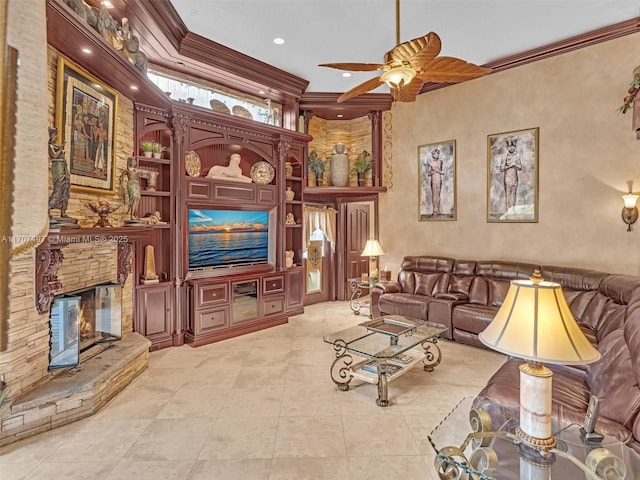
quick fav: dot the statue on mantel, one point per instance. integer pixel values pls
(131, 191)
(61, 180)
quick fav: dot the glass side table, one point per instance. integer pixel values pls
(479, 444)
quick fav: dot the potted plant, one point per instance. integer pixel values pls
(157, 149)
(147, 147)
(361, 166)
(317, 166)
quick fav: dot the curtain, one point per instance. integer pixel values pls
(320, 218)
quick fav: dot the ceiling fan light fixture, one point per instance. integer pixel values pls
(397, 77)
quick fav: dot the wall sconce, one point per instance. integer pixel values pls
(630, 211)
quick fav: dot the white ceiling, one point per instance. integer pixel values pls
(324, 31)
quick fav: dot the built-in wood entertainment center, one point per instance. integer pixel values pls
(217, 302)
(198, 305)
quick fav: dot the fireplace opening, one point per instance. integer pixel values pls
(80, 320)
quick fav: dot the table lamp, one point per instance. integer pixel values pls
(372, 249)
(536, 324)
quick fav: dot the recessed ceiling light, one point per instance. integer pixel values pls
(261, 92)
(339, 115)
(278, 41)
(86, 50)
(107, 4)
(134, 87)
(346, 74)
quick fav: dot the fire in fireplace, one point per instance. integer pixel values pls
(82, 319)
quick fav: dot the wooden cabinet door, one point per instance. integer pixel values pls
(154, 314)
(294, 290)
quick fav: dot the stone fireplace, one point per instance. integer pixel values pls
(88, 353)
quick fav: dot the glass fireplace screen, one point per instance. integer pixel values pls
(80, 320)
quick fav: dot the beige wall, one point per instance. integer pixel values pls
(587, 154)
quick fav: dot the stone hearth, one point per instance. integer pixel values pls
(77, 392)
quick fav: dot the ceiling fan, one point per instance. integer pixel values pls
(408, 65)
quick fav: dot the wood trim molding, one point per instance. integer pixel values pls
(557, 48)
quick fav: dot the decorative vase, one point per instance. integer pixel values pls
(289, 194)
(288, 169)
(156, 155)
(362, 179)
(319, 180)
(339, 166)
(147, 154)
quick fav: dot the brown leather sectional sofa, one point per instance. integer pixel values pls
(465, 295)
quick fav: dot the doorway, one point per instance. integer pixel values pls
(319, 269)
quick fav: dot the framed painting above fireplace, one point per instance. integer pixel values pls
(86, 120)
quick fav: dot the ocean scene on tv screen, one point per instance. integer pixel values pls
(222, 238)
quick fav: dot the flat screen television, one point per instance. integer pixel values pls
(230, 238)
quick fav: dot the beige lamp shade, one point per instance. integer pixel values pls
(372, 249)
(535, 323)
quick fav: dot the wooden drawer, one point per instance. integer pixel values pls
(274, 284)
(272, 306)
(212, 294)
(211, 320)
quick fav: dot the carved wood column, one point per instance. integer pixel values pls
(180, 126)
(376, 146)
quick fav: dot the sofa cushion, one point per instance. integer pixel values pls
(416, 306)
(472, 318)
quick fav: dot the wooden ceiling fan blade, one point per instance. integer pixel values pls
(409, 92)
(360, 89)
(451, 70)
(427, 47)
(354, 67)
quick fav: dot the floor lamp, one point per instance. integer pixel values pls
(536, 324)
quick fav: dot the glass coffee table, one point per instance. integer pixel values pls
(476, 440)
(390, 346)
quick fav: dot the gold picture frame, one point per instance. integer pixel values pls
(437, 181)
(512, 176)
(86, 113)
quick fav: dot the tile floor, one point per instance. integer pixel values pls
(258, 407)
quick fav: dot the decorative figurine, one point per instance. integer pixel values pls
(288, 258)
(289, 194)
(149, 275)
(290, 220)
(61, 182)
(153, 219)
(103, 209)
(131, 192)
(230, 172)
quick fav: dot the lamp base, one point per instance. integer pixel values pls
(534, 430)
(540, 445)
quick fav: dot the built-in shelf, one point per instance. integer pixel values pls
(343, 191)
(297, 225)
(161, 161)
(155, 193)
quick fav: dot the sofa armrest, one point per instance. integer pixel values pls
(456, 297)
(387, 287)
(380, 289)
(441, 311)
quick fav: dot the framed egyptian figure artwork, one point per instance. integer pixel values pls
(86, 119)
(512, 171)
(437, 181)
